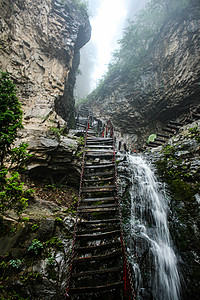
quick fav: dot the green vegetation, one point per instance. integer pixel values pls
(36, 246)
(12, 194)
(81, 101)
(15, 263)
(50, 261)
(25, 219)
(183, 184)
(56, 131)
(28, 277)
(10, 115)
(59, 220)
(80, 4)
(137, 39)
(54, 241)
(195, 133)
(12, 159)
(34, 227)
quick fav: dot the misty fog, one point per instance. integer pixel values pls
(107, 18)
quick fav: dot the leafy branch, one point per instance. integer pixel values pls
(12, 159)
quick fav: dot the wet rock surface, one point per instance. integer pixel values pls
(178, 166)
(178, 163)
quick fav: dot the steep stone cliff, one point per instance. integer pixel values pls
(178, 169)
(178, 164)
(39, 46)
(167, 83)
(40, 42)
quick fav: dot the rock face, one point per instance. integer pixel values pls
(35, 252)
(179, 163)
(56, 158)
(165, 88)
(39, 46)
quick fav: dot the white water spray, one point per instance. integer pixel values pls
(149, 230)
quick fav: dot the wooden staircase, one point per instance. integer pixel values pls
(98, 258)
(171, 129)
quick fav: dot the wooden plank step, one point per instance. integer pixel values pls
(176, 123)
(99, 221)
(96, 174)
(81, 125)
(99, 142)
(93, 189)
(99, 146)
(172, 127)
(97, 272)
(163, 135)
(91, 210)
(99, 154)
(99, 151)
(168, 130)
(98, 247)
(110, 286)
(99, 166)
(99, 199)
(154, 143)
(97, 257)
(91, 132)
(160, 140)
(97, 206)
(98, 235)
(97, 180)
(98, 229)
(196, 115)
(95, 139)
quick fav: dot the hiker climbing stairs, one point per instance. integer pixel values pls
(99, 267)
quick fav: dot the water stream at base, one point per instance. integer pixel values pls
(149, 235)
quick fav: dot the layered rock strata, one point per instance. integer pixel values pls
(39, 46)
(166, 87)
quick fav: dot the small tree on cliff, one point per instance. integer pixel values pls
(12, 193)
(10, 115)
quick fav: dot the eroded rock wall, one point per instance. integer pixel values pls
(178, 163)
(39, 46)
(166, 87)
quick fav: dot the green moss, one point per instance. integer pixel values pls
(182, 189)
(195, 133)
(54, 241)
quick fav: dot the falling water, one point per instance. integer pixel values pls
(149, 231)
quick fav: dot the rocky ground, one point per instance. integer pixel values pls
(35, 247)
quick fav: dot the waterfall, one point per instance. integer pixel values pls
(149, 235)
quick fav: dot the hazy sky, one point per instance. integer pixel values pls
(108, 18)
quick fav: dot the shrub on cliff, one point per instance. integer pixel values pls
(139, 35)
(137, 39)
(10, 115)
(12, 159)
(80, 4)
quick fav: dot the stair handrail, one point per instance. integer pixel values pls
(77, 214)
(128, 282)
